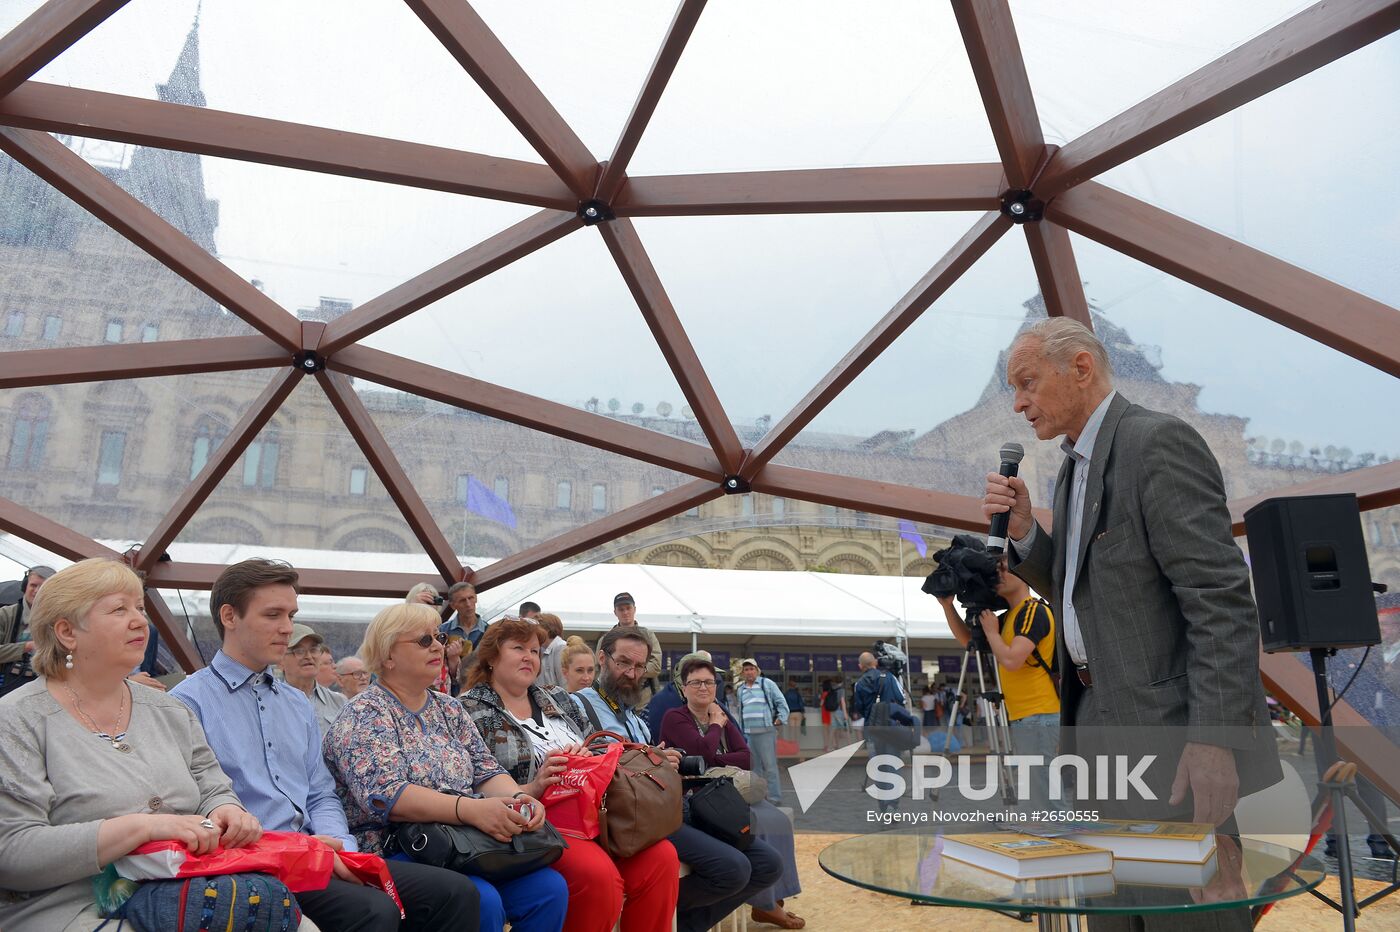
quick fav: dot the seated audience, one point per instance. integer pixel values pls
(93, 766)
(721, 877)
(403, 752)
(523, 722)
(301, 666)
(701, 727)
(578, 664)
(352, 675)
(551, 653)
(265, 736)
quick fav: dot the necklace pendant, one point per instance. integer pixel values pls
(122, 746)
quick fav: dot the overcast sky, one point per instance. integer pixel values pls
(1307, 173)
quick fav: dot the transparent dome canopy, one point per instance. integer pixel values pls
(563, 275)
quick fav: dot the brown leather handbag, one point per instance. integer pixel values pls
(643, 802)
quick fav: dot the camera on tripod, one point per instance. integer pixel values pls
(968, 571)
(889, 657)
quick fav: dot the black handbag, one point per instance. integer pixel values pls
(468, 850)
(718, 810)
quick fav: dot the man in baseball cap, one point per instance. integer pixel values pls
(299, 669)
(625, 608)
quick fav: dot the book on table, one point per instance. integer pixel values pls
(959, 880)
(1026, 857)
(1165, 873)
(1188, 842)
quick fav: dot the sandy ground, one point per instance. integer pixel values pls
(829, 905)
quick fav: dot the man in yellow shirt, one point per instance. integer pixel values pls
(1023, 642)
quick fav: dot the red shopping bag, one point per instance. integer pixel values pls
(299, 861)
(373, 872)
(571, 805)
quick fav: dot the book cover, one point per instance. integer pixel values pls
(1190, 842)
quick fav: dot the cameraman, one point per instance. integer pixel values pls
(1023, 642)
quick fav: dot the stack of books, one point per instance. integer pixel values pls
(1175, 854)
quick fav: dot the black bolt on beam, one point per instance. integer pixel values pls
(595, 212)
(736, 485)
(309, 361)
(1021, 206)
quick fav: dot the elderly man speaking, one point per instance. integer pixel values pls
(1158, 627)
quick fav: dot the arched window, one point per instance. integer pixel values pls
(30, 432)
(207, 438)
(260, 461)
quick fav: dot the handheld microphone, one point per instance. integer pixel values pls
(1011, 454)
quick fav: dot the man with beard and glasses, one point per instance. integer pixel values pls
(721, 877)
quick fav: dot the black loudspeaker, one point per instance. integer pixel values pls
(1312, 580)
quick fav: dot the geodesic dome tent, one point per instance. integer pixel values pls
(665, 253)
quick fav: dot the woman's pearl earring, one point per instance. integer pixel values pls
(68, 661)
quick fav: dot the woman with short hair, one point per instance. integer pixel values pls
(528, 727)
(403, 752)
(701, 728)
(94, 766)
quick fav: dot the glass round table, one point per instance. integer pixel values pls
(1242, 874)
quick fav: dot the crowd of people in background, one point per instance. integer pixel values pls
(450, 721)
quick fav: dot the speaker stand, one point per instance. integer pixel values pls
(1340, 783)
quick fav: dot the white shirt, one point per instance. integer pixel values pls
(1081, 451)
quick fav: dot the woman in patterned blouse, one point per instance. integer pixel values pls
(528, 728)
(401, 752)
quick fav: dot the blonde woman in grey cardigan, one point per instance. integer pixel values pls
(92, 766)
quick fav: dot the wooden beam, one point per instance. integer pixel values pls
(1058, 273)
(614, 171)
(989, 34)
(490, 255)
(219, 462)
(314, 581)
(870, 495)
(172, 633)
(468, 39)
(1374, 487)
(1315, 37)
(1352, 323)
(103, 198)
(814, 191)
(141, 122)
(387, 467)
(69, 365)
(636, 268)
(624, 522)
(1358, 740)
(45, 34)
(937, 280)
(559, 420)
(52, 536)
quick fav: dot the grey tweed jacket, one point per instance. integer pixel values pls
(1162, 595)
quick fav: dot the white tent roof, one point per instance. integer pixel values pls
(732, 603)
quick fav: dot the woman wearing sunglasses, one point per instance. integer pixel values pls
(403, 752)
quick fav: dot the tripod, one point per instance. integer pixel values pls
(1340, 783)
(989, 702)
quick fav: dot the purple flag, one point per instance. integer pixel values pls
(488, 504)
(907, 532)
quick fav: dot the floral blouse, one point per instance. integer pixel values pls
(377, 747)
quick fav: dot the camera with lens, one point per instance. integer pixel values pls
(438, 600)
(692, 765)
(969, 572)
(889, 657)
